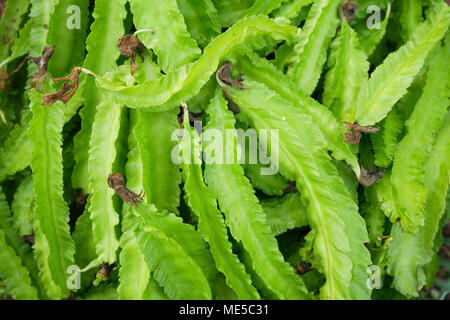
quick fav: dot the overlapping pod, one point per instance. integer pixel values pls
(262, 7)
(245, 216)
(172, 260)
(68, 54)
(174, 51)
(348, 72)
(31, 40)
(385, 141)
(85, 248)
(102, 154)
(153, 130)
(271, 185)
(391, 127)
(290, 9)
(264, 72)
(310, 50)
(231, 10)
(410, 17)
(182, 262)
(105, 31)
(373, 215)
(154, 261)
(142, 169)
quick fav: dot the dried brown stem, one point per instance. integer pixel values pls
(369, 176)
(224, 74)
(303, 267)
(105, 269)
(42, 65)
(348, 10)
(224, 78)
(116, 181)
(29, 238)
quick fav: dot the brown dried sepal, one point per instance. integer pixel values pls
(369, 176)
(224, 75)
(67, 90)
(180, 117)
(105, 269)
(81, 198)
(129, 45)
(354, 136)
(348, 10)
(194, 117)
(116, 181)
(29, 238)
(442, 274)
(42, 65)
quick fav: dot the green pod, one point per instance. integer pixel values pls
(245, 216)
(211, 224)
